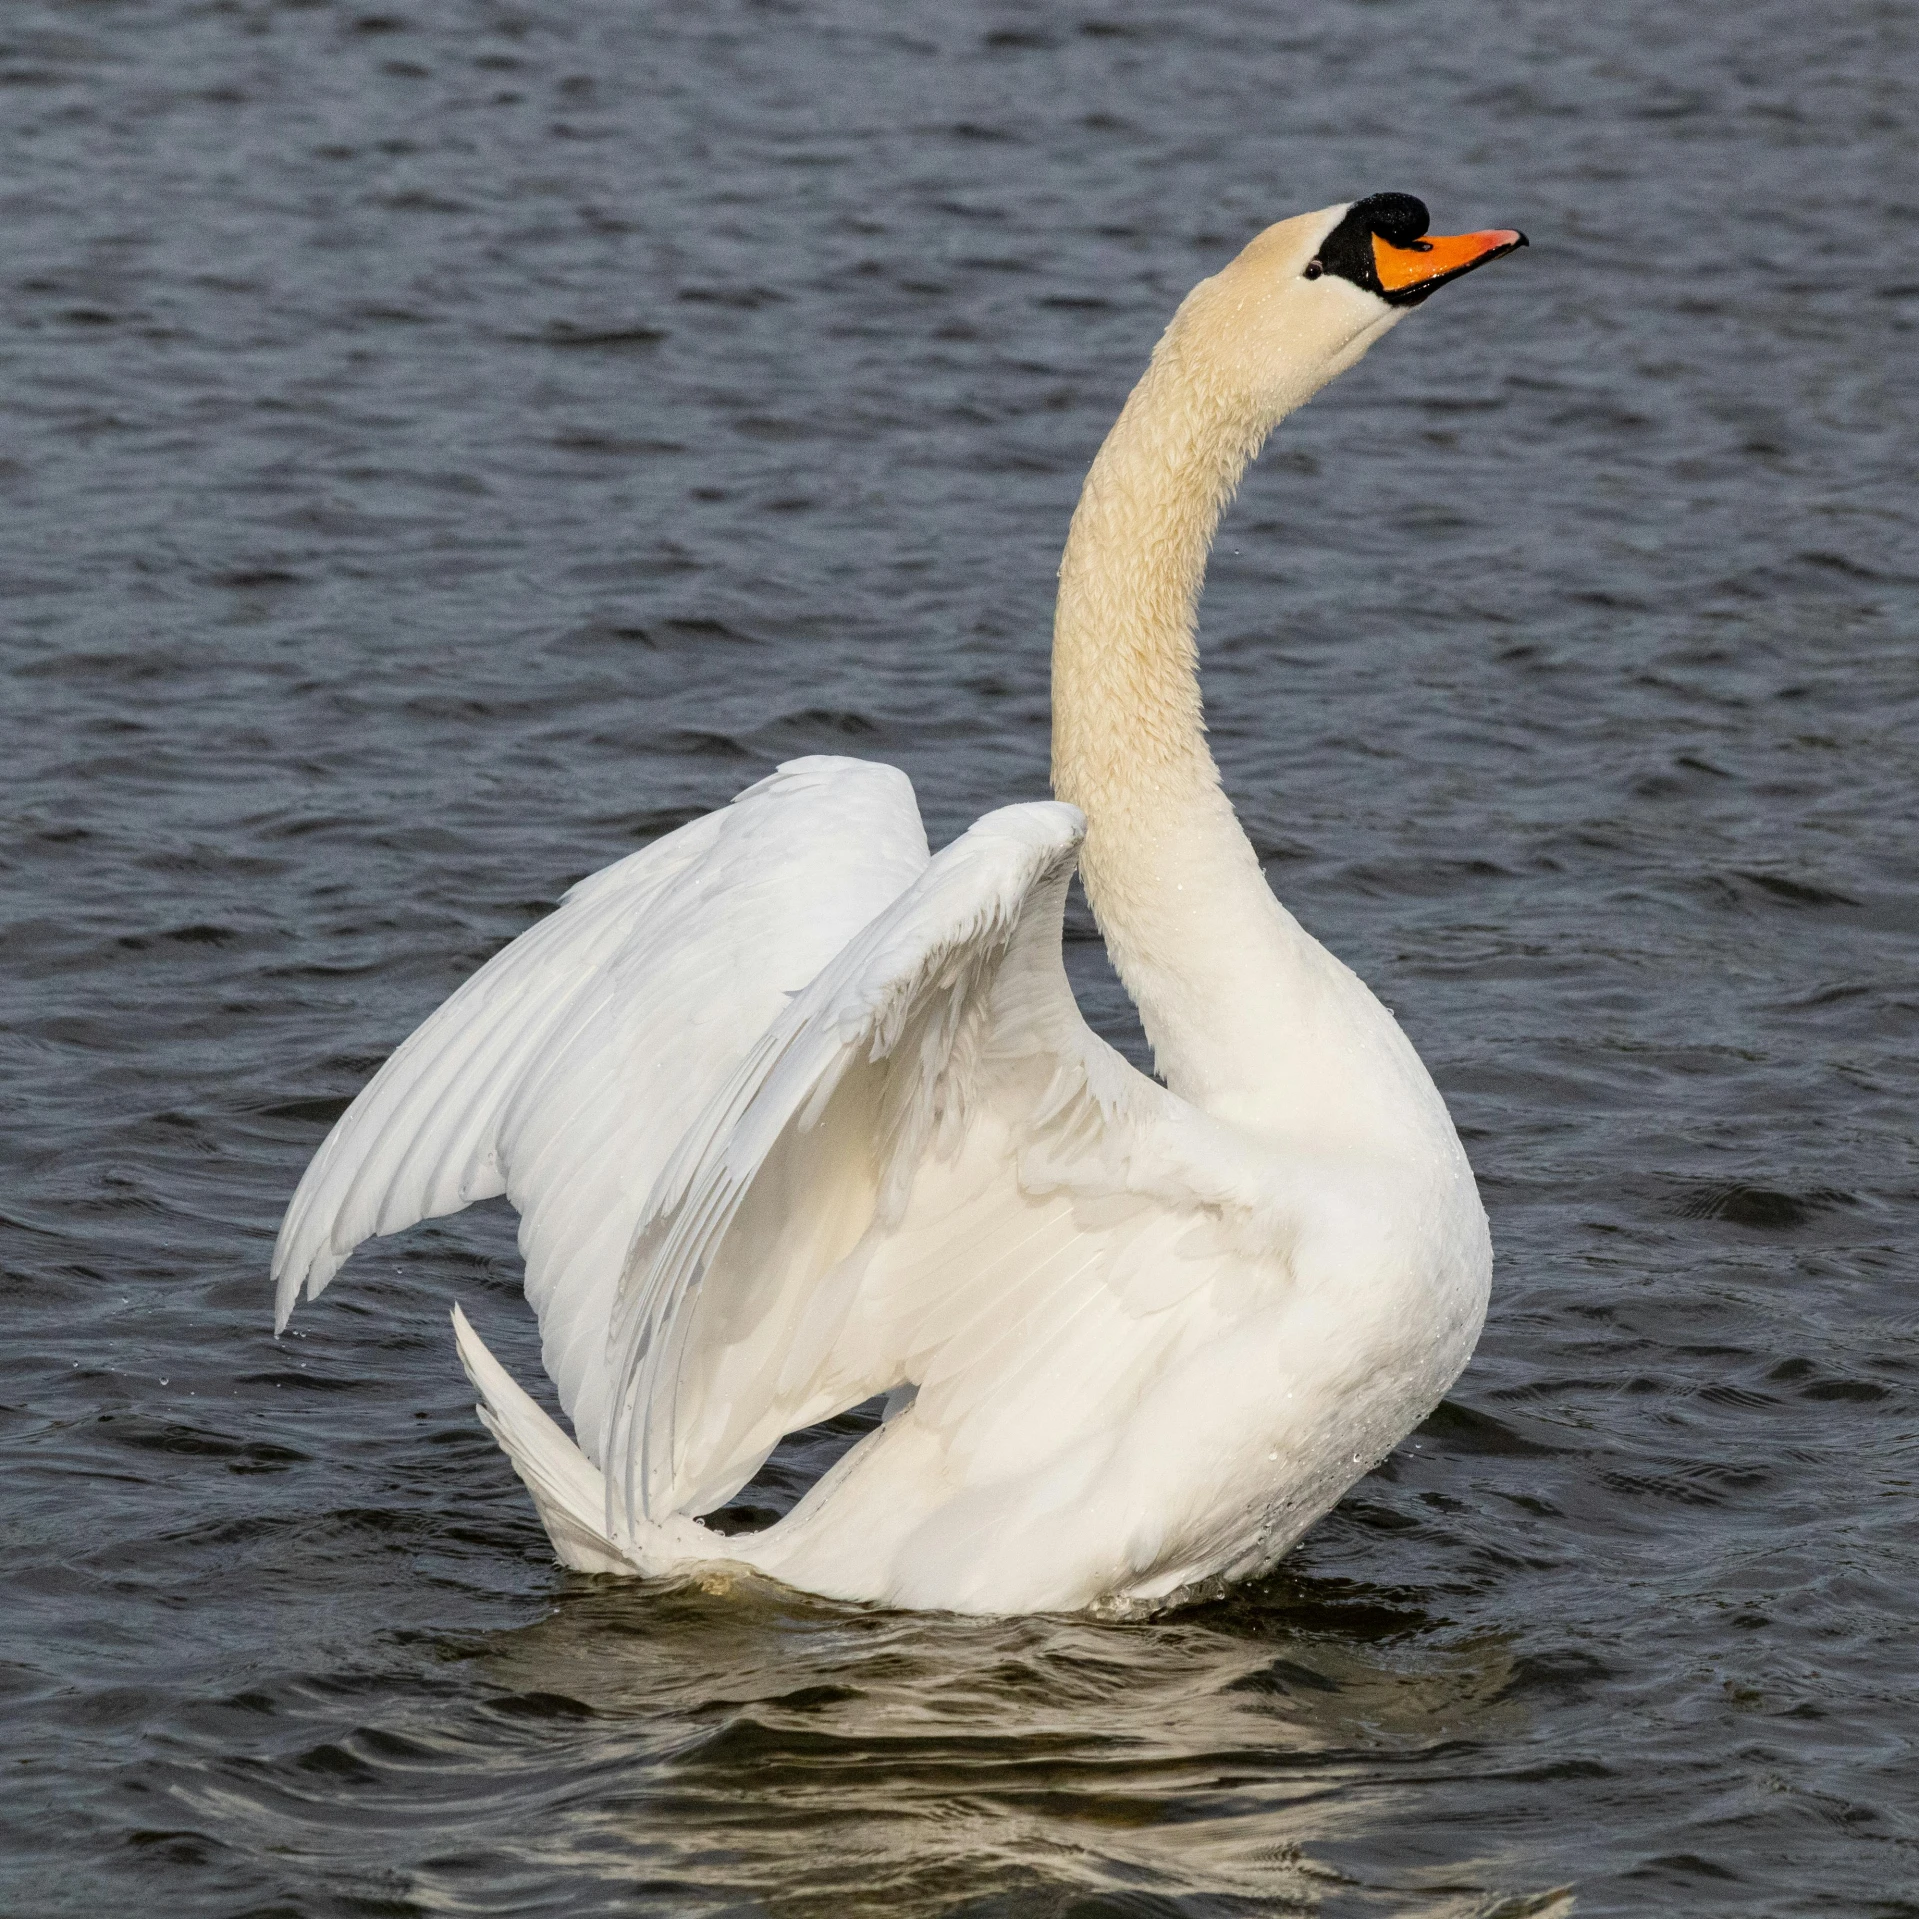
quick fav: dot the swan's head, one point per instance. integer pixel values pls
(1307, 297)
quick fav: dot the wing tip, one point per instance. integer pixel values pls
(288, 1285)
(299, 1272)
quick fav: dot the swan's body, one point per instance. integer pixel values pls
(795, 1114)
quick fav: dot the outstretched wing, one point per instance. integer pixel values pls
(926, 1171)
(564, 1071)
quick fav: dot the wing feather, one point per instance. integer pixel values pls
(732, 1324)
(563, 1072)
(928, 1172)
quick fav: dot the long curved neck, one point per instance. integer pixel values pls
(1127, 729)
(1248, 1016)
(1165, 864)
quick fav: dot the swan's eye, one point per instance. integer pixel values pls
(1314, 269)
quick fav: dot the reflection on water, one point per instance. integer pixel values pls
(701, 1747)
(886, 1764)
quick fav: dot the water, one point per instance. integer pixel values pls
(451, 441)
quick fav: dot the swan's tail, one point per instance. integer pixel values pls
(569, 1491)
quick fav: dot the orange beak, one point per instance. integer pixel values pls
(1407, 274)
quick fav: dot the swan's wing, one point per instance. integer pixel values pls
(564, 1071)
(928, 1156)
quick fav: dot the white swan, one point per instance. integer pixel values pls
(795, 1114)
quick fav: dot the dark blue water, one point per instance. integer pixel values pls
(449, 442)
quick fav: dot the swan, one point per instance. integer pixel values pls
(795, 1114)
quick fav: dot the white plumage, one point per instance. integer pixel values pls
(795, 1115)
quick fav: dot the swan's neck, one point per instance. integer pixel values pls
(1247, 1015)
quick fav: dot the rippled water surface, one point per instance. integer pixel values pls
(449, 442)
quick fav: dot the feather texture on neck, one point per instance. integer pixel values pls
(1236, 999)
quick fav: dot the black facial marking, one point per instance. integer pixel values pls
(1397, 218)
(1400, 221)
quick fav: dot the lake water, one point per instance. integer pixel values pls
(449, 442)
